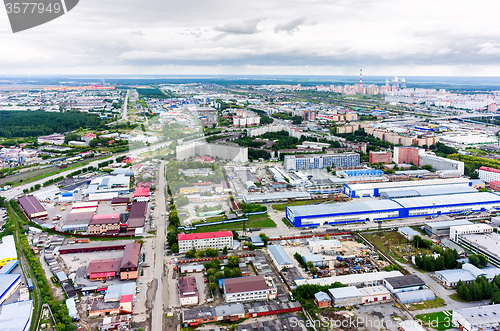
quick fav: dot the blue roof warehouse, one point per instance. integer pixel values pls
(361, 211)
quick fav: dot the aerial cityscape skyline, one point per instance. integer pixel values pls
(313, 37)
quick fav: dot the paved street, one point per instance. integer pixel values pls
(159, 249)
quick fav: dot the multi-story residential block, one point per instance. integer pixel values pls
(309, 115)
(487, 174)
(253, 288)
(380, 157)
(407, 155)
(345, 160)
(216, 240)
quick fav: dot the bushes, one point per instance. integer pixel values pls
(307, 291)
(252, 208)
(52, 181)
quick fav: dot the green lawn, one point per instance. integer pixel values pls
(455, 297)
(438, 302)
(254, 221)
(282, 206)
(438, 321)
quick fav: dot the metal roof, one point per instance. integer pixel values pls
(390, 185)
(6, 282)
(454, 275)
(415, 296)
(16, 316)
(481, 315)
(345, 292)
(322, 296)
(344, 208)
(279, 254)
(8, 248)
(454, 199)
(445, 224)
(351, 279)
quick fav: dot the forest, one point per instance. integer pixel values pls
(40, 123)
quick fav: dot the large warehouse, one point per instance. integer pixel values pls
(361, 211)
(32, 208)
(376, 189)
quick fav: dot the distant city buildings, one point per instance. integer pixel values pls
(380, 157)
(320, 161)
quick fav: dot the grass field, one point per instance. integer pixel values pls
(455, 297)
(436, 303)
(438, 321)
(282, 206)
(254, 221)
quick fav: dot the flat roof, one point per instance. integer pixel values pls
(344, 208)
(374, 290)
(405, 281)
(345, 292)
(408, 231)
(84, 216)
(411, 325)
(351, 279)
(324, 242)
(454, 275)
(449, 200)
(446, 224)
(8, 248)
(278, 195)
(245, 284)
(486, 241)
(389, 185)
(472, 227)
(204, 235)
(279, 254)
(481, 315)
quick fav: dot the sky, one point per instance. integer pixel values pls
(271, 37)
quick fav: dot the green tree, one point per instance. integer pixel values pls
(175, 248)
(182, 201)
(224, 251)
(94, 142)
(233, 261)
(191, 253)
(264, 238)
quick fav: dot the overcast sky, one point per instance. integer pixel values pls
(308, 37)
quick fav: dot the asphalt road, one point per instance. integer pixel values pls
(157, 315)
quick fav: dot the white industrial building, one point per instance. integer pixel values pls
(280, 257)
(408, 232)
(368, 279)
(487, 244)
(7, 250)
(330, 245)
(468, 273)
(16, 316)
(403, 283)
(441, 163)
(371, 294)
(345, 296)
(442, 228)
(459, 230)
(8, 285)
(477, 318)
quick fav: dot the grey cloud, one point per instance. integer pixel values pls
(246, 27)
(291, 26)
(137, 32)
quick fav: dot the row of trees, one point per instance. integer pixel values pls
(52, 181)
(307, 291)
(446, 260)
(198, 253)
(59, 309)
(252, 208)
(480, 289)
